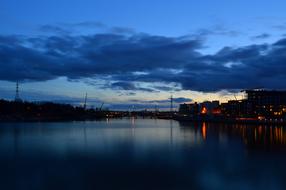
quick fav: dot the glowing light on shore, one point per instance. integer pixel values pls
(204, 110)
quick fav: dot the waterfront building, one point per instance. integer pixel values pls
(258, 104)
(189, 109)
(208, 107)
(266, 103)
(204, 108)
(235, 108)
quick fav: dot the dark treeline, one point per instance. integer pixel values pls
(46, 111)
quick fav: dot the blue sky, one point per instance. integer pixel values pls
(217, 41)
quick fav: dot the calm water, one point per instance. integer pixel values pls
(141, 154)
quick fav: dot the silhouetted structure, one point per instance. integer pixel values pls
(48, 111)
(171, 103)
(235, 108)
(268, 104)
(17, 96)
(189, 109)
(204, 108)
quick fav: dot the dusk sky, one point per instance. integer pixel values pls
(128, 52)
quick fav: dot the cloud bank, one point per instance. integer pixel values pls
(123, 58)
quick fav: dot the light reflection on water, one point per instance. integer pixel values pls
(141, 154)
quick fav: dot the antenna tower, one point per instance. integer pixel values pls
(17, 96)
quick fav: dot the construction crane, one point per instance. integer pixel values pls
(101, 106)
(235, 97)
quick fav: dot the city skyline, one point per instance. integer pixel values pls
(122, 56)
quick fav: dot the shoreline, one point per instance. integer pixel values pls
(232, 121)
(179, 119)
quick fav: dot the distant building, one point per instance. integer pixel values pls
(209, 107)
(266, 103)
(259, 104)
(205, 108)
(235, 108)
(189, 109)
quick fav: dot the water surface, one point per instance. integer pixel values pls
(141, 154)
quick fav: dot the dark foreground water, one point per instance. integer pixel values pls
(141, 154)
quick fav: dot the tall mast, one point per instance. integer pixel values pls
(171, 102)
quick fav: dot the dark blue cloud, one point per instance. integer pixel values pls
(281, 43)
(281, 26)
(54, 29)
(217, 30)
(124, 59)
(87, 24)
(74, 28)
(261, 36)
(175, 100)
(128, 86)
(122, 30)
(45, 58)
